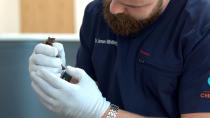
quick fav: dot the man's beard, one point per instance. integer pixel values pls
(124, 24)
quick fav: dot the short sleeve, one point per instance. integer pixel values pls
(194, 87)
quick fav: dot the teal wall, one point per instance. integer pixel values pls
(17, 99)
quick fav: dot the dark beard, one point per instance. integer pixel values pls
(124, 24)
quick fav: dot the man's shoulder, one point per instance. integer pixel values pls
(95, 7)
(198, 13)
(196, 24)
(93, 22)
(198, 3)
(93, 13)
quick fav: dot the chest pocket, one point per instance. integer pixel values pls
(157, 80)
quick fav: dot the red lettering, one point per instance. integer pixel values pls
(144, 53)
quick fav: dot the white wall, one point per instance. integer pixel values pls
(9, 16)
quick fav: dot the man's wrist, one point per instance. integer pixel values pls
(111, 112)
(106, 113)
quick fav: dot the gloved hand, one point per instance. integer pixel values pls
(44, 57)
(81, 100)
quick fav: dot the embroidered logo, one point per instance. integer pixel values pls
(144, 53)
(107, 42)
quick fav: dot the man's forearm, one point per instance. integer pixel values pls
(125, 114)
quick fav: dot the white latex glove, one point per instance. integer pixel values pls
(81, 100)
(44, 57)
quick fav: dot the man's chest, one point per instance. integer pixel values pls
(162, 54)
(150, 63)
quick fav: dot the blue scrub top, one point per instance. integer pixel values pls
(163, 71)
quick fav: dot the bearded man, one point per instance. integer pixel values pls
(150, 58)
